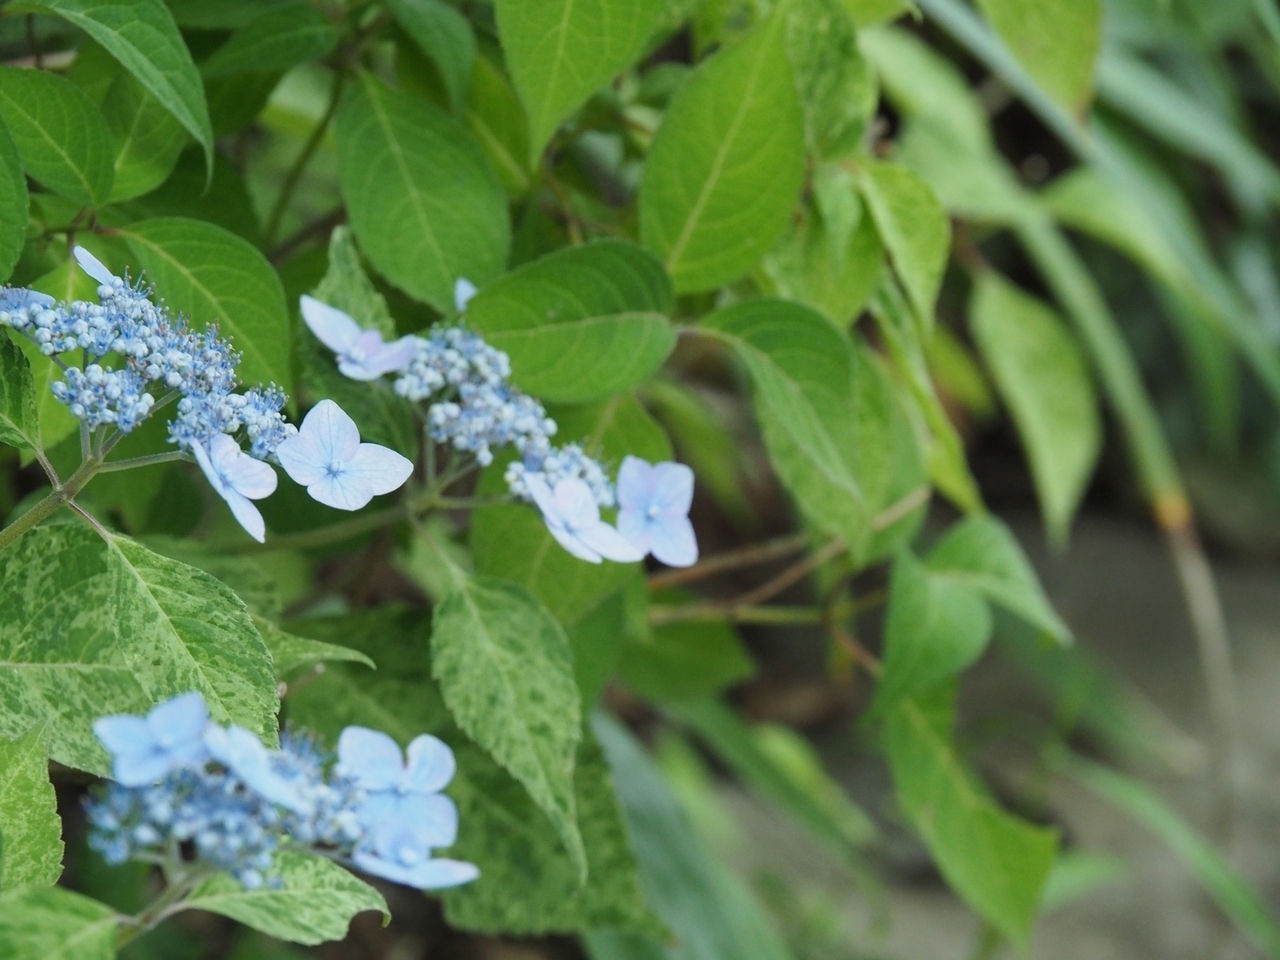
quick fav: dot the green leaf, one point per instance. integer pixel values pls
(562, 51)
(801, 371)
(836, 88)
(935, 628)
(347, 287)
(251, 578)
(50, 923)
(213, 276)
(423, 202)
(14, 202)
(224, 15)
(1044, 380)
(581, 323)
(280, 39)
(710, 912)
(446, 37)
(89, 628)
(981, 553)
(780, 766)
(867, 13)
(512, 542)
(506, 672)
(596, 641)
(1248, 910)
(29, 817)
(681, 661)
(147, 138)
(496, 119)
(19, 421)
(314, 903)
(914, 229)
(141, 34)
(529, 885)
(60, 133)
(1057, 43)
(724, 173)
(290, 654)
(996, 862)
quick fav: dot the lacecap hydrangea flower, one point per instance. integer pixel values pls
(473, 407)
(181, 779)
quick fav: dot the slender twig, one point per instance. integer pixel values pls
(146, 461)
(304, 158)
(93, 521)
(896, 511)
(47, 467)
(85, 446)
(566, 206)
(856, 651)
(731, 560)
(711, 612)
(792, 575)
(320, 227)
(50, 504)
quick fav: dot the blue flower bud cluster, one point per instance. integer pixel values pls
(182, 780)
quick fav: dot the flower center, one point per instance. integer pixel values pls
(335, 467)
(653, 511)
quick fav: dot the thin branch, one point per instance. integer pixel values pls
(731, 560)
(896, 511)
(169, 457)
(304, 158)
(316, 228)
(792, 575)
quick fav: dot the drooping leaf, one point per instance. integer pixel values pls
(511, 541)
(142, 35)
(801, 370)
(280, 39)
(423, 202)
(580, 323)
(89, 628)
(29, 820)
(935, 628)
(213, 276)
(710, 912)
(506, 672)
(61, 134)
(981, 553)
(724, 173)
(1043, 378)
(446, 37)
(146, 137)
(52, 923)
(561, 51)
(1057, 43)
(996, 862)
(314, 902)
(14, 202)
(914, 229)
(19, 421)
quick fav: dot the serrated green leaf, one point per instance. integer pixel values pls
(581, 323)
(278, 40)
(935, 628)
(836, 88)
(506, 672)
(29, 817)
(801, 371)
(423, 202)
(980, 552)
(347, 287)
(50, 923)
(14, 202)
(142, 35)
(446, 37)
(1057, 43)
(724, 173)
(19, 421)
(996, 862)
(89, 628)
(914, 229)
(147, 138)
(314, 902)
(213, 276)
(290, 653)
(60, 133)
(512, 542)
(251, 578)
(561, 51)
(1043, 378)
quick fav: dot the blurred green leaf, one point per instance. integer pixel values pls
(866, 13)
(1044, 380)
(1077, 874)
(726, 166)
(54, 923)
(60, 133)
(147, 138)
(996, 862)
(836, 87)
(142, 35)
(680, 661)
(1057, 43)
(290, 653)
(279, 39)
(29, 820)
(314, 902)
(213, 276)
(422, 200)
(561, 51)
(581, 323)
(14, 202)
(446, 37)
(935, 628)
(506, 672)
(496, 119)
(19, 421)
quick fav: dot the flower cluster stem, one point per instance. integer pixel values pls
(61, 495)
